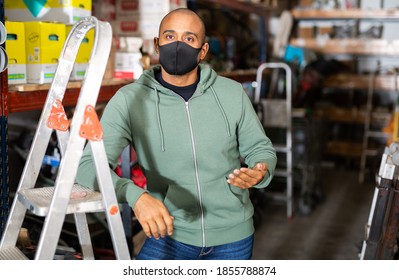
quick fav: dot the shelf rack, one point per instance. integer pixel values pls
(31, 97)
(351, 47)
(350, 14)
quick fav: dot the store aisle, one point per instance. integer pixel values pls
(333, 231)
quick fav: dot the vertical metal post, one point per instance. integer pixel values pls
(263, 39)
(4, 191)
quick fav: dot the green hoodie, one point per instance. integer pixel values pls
(186, 151)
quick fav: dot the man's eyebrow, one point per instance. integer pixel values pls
(186, 32)
(168, 31)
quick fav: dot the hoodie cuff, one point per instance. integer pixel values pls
(265, 181)
(132, 194)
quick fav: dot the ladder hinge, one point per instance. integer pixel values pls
(91, 128)
(57, 118)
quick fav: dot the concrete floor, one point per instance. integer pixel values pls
(334, 230)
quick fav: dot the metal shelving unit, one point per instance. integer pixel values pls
(364, 48)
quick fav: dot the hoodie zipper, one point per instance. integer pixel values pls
(196, 172)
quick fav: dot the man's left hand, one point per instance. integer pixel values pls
(245, 178)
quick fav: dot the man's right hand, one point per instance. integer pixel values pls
(153, 216)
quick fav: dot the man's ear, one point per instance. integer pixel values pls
(156, 44)
(204, 51)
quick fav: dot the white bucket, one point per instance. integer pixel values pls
(3, 59)
(3, 53)
(3, 33)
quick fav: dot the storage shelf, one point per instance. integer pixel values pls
(240, 75)
(32, 97)
(352, 115)
(361, 82)
(345, 149)
(241, 6)
(373, 14)
(366, 47)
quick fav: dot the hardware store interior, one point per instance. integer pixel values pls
(321, 74)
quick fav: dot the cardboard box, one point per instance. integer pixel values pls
(129, 44)
(306, 30)
(104, 9)
(65, 11)
(128, 65)
(83, 55)
(129, 8)
(126, 9)
(174, 4)
(44, 43)
(110, 68)
(146, 27)
(15, 46)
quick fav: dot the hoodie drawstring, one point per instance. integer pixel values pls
(159, 121)
(222, 111)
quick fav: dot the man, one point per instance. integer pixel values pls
(189, 128)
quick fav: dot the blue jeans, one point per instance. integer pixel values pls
(168, 249)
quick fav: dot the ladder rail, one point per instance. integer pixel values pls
(111, 207)
(381, 233)
(74, 148)
(288, 125)
(373, 203)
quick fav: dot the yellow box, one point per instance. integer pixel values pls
(83, 55)
(44, 43)
(15, 46)
(65, 11)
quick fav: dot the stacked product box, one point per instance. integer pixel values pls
(45, 23)
(138, 19)
(15, 45)
(128, 58)
(65, 11)
(44, 42)
(104, 9)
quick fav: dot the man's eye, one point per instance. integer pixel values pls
(169, 37)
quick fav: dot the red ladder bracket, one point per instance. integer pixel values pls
(91, 128)
(58, 119)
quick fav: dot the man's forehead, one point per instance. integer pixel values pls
(182, 22)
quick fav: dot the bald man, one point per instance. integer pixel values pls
(190, 129)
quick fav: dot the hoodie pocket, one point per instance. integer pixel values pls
(225, 205)
(182, 203)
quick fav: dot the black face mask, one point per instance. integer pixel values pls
(178, 58)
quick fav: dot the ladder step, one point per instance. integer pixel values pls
(377, 134)
(278, 197)
(281, 173)
(38, 200)
(281, 148)
(12, 253)
(371, 152)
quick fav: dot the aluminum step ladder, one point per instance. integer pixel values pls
(277, 113)
(382, 227)
(66, 197)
